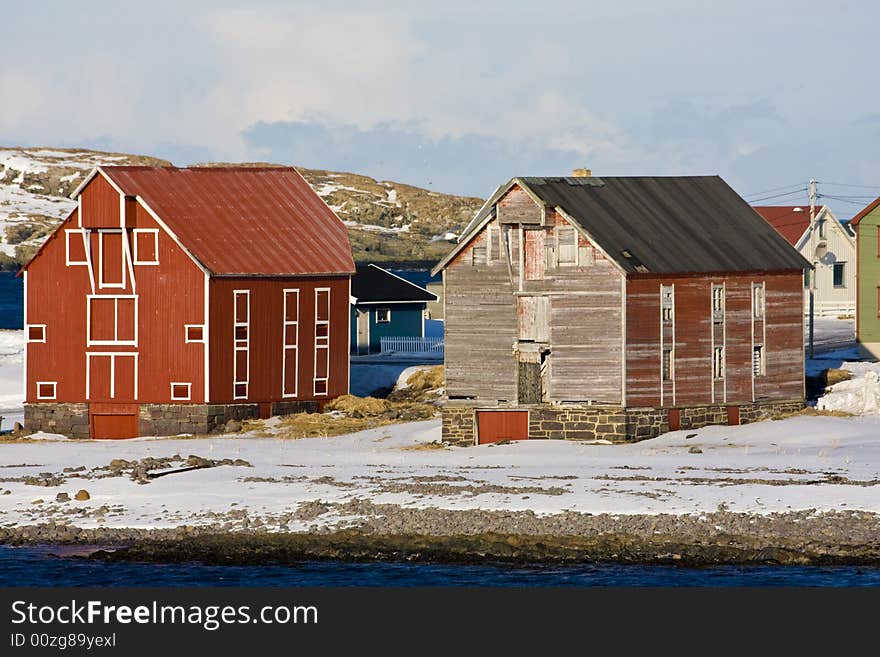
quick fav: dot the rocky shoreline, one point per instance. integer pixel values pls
(393, 533)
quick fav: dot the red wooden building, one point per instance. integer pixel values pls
(618, 308)
(172, 300)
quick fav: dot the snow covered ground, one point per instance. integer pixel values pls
(821, 463)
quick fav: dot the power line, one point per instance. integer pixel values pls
(767, 198)
(776, 189)
(841, 198)
(848, 185)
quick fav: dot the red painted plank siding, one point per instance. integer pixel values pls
(693, 339)
(100, 204)
(266, 337)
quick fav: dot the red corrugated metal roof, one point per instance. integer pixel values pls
(243, 220)
(790, 221)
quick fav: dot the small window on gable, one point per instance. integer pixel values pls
(76, 246)
(47, 390)
(195, 333)
(821, 228)
(383, 315)
(146, 246)
(36, 333)
(181, 391)
(478, 255)
(567, 238)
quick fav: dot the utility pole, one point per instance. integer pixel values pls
(813, 260)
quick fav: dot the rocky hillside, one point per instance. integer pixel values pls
(387, 221)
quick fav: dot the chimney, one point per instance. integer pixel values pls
(582, 173)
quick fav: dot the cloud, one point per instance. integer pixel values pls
(468, 164)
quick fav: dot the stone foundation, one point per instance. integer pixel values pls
(154, 419)
(572, 422)
(67, 419)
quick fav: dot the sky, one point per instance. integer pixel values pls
(460, 96)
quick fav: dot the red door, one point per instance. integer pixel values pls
(113, 421)
(733, 415)
(674, 419)
(493, 426)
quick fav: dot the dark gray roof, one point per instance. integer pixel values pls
(674, 224)
(372, 284)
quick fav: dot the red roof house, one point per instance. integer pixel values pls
(790, 221)
(173, 300)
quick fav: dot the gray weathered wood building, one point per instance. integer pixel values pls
(618, 308)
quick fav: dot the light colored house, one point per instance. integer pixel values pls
(865, 225)
(829, 246)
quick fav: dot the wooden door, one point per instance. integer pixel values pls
(733, 415)
(493, 426)
(534, 255)
(363, 331)
(111, 377)
(674, 419)
(113, 426)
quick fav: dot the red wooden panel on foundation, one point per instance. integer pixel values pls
(113, 421)
(674, 419)
(493, 426)
(733, 415)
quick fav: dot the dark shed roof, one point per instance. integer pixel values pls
(372, 284)
(675, 224)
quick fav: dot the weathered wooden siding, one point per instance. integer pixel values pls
(518, 207)
(694, 330)
(266, 353)
(480, 327)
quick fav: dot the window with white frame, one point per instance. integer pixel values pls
(383, 315)
(667, 303)
(758, 300)
(194, 333)
(717, 304)
(758, 360)
(290, 350)
(111, 258)
(36, 333)
(667, 364)
(241, 343)
(568, 242)
(322, 341)
(146, 246)
(47, 390)
(112, 320)
(181, 391)
(718, 363)
(76, 241)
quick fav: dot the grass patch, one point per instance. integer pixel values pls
(811, 411)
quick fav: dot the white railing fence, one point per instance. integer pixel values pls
(409, 345)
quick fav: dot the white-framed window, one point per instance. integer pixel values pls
(75, 247)
(718, 363)
(290, 347)
(36, 333)
(717, 303)
(47, 390)
(758, 300)
(383, 315)
(241, 342)
(321, 376)
(146, 246)
(758, 367)
(112, 319)
(181, 391)
(668, 372)
(193, 333)
(111, 258)
(667, 303)
(478, 255)
(568, 246)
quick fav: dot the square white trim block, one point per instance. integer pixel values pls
(187, 337)
(387, 312)
(41, 327)
(137, 235)
(102, 284)
(115, 341)
(181, 397)
(43, 394)
(81, 236)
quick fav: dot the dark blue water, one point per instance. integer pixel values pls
(420, 277)
(11, 301)
(36, 566)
